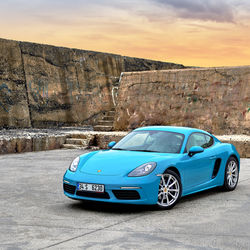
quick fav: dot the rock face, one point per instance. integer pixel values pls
(213, 99)
(14, 110)
(44, 86)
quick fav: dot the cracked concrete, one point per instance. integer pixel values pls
(34, 213)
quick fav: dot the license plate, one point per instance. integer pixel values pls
(98, 188)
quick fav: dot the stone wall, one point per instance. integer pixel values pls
(44, 86)
(213, 99)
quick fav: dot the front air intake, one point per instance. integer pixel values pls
(69, 188)
(126, 194)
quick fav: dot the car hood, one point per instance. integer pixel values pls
(114, 162)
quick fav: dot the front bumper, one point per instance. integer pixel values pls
(118, 189)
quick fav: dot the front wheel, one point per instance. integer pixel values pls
(170, 189)
(231, 174)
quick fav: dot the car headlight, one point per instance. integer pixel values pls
(143, 170)
(73, 166)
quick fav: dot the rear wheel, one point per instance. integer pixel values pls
(231, 174)
(170, 189)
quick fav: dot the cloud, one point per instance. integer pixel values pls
(205, 10)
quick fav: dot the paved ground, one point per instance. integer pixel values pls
(34, 213)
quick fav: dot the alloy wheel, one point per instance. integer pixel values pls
(169, 190)
(232, 173)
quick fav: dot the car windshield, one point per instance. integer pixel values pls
(151, 141)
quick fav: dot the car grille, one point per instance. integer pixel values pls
(69, 188)
(126, 194)
(104, 195)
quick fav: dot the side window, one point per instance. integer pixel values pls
(199, 139)
(209, 141)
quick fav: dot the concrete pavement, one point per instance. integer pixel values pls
(35, 214)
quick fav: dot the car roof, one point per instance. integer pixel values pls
(176, 129)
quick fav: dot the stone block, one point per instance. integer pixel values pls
(8, 146)
(24, 144)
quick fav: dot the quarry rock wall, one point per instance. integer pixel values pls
(46, 86)
(213, 99)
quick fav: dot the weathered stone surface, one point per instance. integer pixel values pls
(103, 139)
(45, 86)
(24, 144)
(213, 99)
(65, 86)
(8, 146)
(55, 142)
(48, 142)
(14, 110)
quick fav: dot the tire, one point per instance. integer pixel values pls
(170, 190)
(231, 174)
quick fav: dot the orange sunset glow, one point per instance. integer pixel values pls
(190, 32)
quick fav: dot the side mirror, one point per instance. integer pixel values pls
(195, 150)
(111, 144)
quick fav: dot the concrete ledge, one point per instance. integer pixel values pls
(18, 141)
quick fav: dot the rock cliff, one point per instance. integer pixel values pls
(48, 86)
(214, 99)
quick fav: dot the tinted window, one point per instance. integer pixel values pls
(199, 139)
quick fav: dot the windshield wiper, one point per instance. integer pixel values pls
(118, 149)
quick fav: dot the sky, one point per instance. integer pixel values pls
(203, 33)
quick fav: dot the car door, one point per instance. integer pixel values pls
(197, 170)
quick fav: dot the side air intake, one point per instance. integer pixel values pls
(216, 167)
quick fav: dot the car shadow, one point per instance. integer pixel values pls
(106, 207)
(201, 195)
(118, 208)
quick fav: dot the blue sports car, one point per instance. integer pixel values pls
(154, 165)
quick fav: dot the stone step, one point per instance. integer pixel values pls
(87, 136)
(105, 122)
(102, 128)
(108, 118)
(72, 146)
(77, 141)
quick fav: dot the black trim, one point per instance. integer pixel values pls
(126, 194)
(69, 188)
(216, 167)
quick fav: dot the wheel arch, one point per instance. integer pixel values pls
(235, 156)
(174, 169)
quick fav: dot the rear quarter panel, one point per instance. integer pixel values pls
(224, 151)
